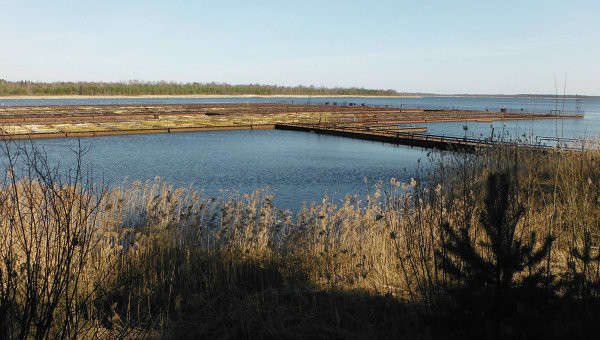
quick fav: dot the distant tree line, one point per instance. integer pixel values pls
(134, 88)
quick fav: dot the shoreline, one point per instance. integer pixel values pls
(208, 96)
(139, 131)
(51, 121)
(199, 96)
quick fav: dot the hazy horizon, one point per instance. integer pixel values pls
(465, 47)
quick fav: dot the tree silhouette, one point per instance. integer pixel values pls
(489, 267)
(577, 283)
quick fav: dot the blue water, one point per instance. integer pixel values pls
(296, 166)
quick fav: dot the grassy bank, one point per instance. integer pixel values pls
(27, 88)
(496, 244)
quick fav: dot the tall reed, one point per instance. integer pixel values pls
(82, 260)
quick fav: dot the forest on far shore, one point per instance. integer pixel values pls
(135, 88)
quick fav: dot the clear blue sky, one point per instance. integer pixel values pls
(414, 46)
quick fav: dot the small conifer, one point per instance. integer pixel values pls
(490, 269)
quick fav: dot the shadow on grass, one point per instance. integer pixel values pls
(300, 314)
(176, 295)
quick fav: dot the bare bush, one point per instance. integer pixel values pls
(48, 233)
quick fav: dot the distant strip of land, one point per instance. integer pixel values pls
(27, 88)
(132, 89)
(18, 122)
(200, 96)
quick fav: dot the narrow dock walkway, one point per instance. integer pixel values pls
(410, 138)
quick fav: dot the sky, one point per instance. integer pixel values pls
(478, 47)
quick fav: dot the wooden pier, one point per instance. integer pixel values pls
(407, 137)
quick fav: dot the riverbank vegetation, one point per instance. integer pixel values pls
(502, 243)
(135, 88)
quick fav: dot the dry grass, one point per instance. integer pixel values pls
(148, 259)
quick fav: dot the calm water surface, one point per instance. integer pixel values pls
(296, 166)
